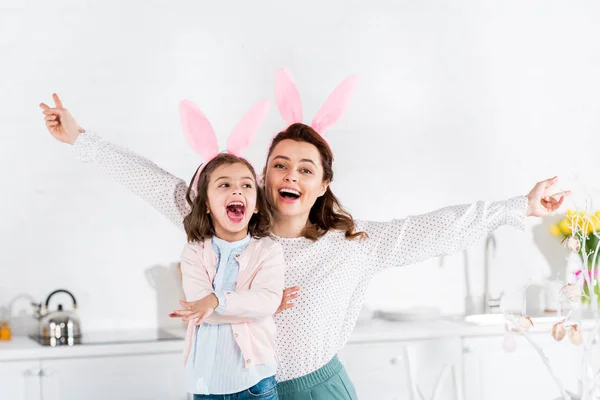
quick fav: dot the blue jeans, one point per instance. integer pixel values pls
(263, 390)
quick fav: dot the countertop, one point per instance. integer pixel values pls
(25, 348)
(374, 330)
(378, 330)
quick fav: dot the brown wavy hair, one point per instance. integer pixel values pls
(198, 223)
(327, 212)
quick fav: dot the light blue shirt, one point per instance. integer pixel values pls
(216, 364)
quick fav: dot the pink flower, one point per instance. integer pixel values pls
(577, 273)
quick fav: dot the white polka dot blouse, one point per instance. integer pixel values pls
(332, 272)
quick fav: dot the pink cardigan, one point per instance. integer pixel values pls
(251, 306)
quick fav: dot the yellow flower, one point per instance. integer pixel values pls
(589, 226)
(565, 227)
(570, 213)
(595, 223)
(555, 231)
(586, 223)
(582, 222)
(578, 221)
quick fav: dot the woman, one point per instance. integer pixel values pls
(329, 256)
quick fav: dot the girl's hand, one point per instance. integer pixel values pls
(541, 201)
(288, 294)
(60, 122)
(198, 310)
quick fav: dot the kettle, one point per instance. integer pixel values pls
(60, 327)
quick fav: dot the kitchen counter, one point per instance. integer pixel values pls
(25, 348)
(153, 363)
(374, 330)
(378, 330)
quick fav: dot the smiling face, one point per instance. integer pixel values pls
(226, 202)
(297, 175)
(294, 178)
(231, 200)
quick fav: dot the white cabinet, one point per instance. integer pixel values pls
(467, 368)
(474, 368)
(492, 374)
(146, 376)
(19, 380)
(400, 370)
(125, 377)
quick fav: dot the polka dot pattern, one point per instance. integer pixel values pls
(332, 272)
(163, 191)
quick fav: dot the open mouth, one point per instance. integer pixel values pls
(289, 195)
(236, 211)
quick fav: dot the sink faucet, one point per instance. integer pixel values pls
(490, 304)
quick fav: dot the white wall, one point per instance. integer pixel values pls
(457, 101)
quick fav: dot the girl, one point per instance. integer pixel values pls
(329, 255)
(230, 266)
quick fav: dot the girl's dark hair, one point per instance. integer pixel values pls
(327, 212)
(198, 223)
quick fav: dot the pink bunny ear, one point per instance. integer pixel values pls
(287, 97)
(335, 105)
(246, 129)
(198, 130)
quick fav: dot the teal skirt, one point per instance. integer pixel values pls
(330, 382)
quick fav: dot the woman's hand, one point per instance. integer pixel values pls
(541, 200)
(198, 310)
(60, 122)
(288, 294)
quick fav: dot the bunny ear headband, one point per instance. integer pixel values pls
(290, 106)
(201, 136)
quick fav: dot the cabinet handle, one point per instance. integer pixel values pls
(46, 372)
(466, 350)
(32, 372)
(396, 360)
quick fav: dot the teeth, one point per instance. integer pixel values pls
(297, 193)
(235, 203)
